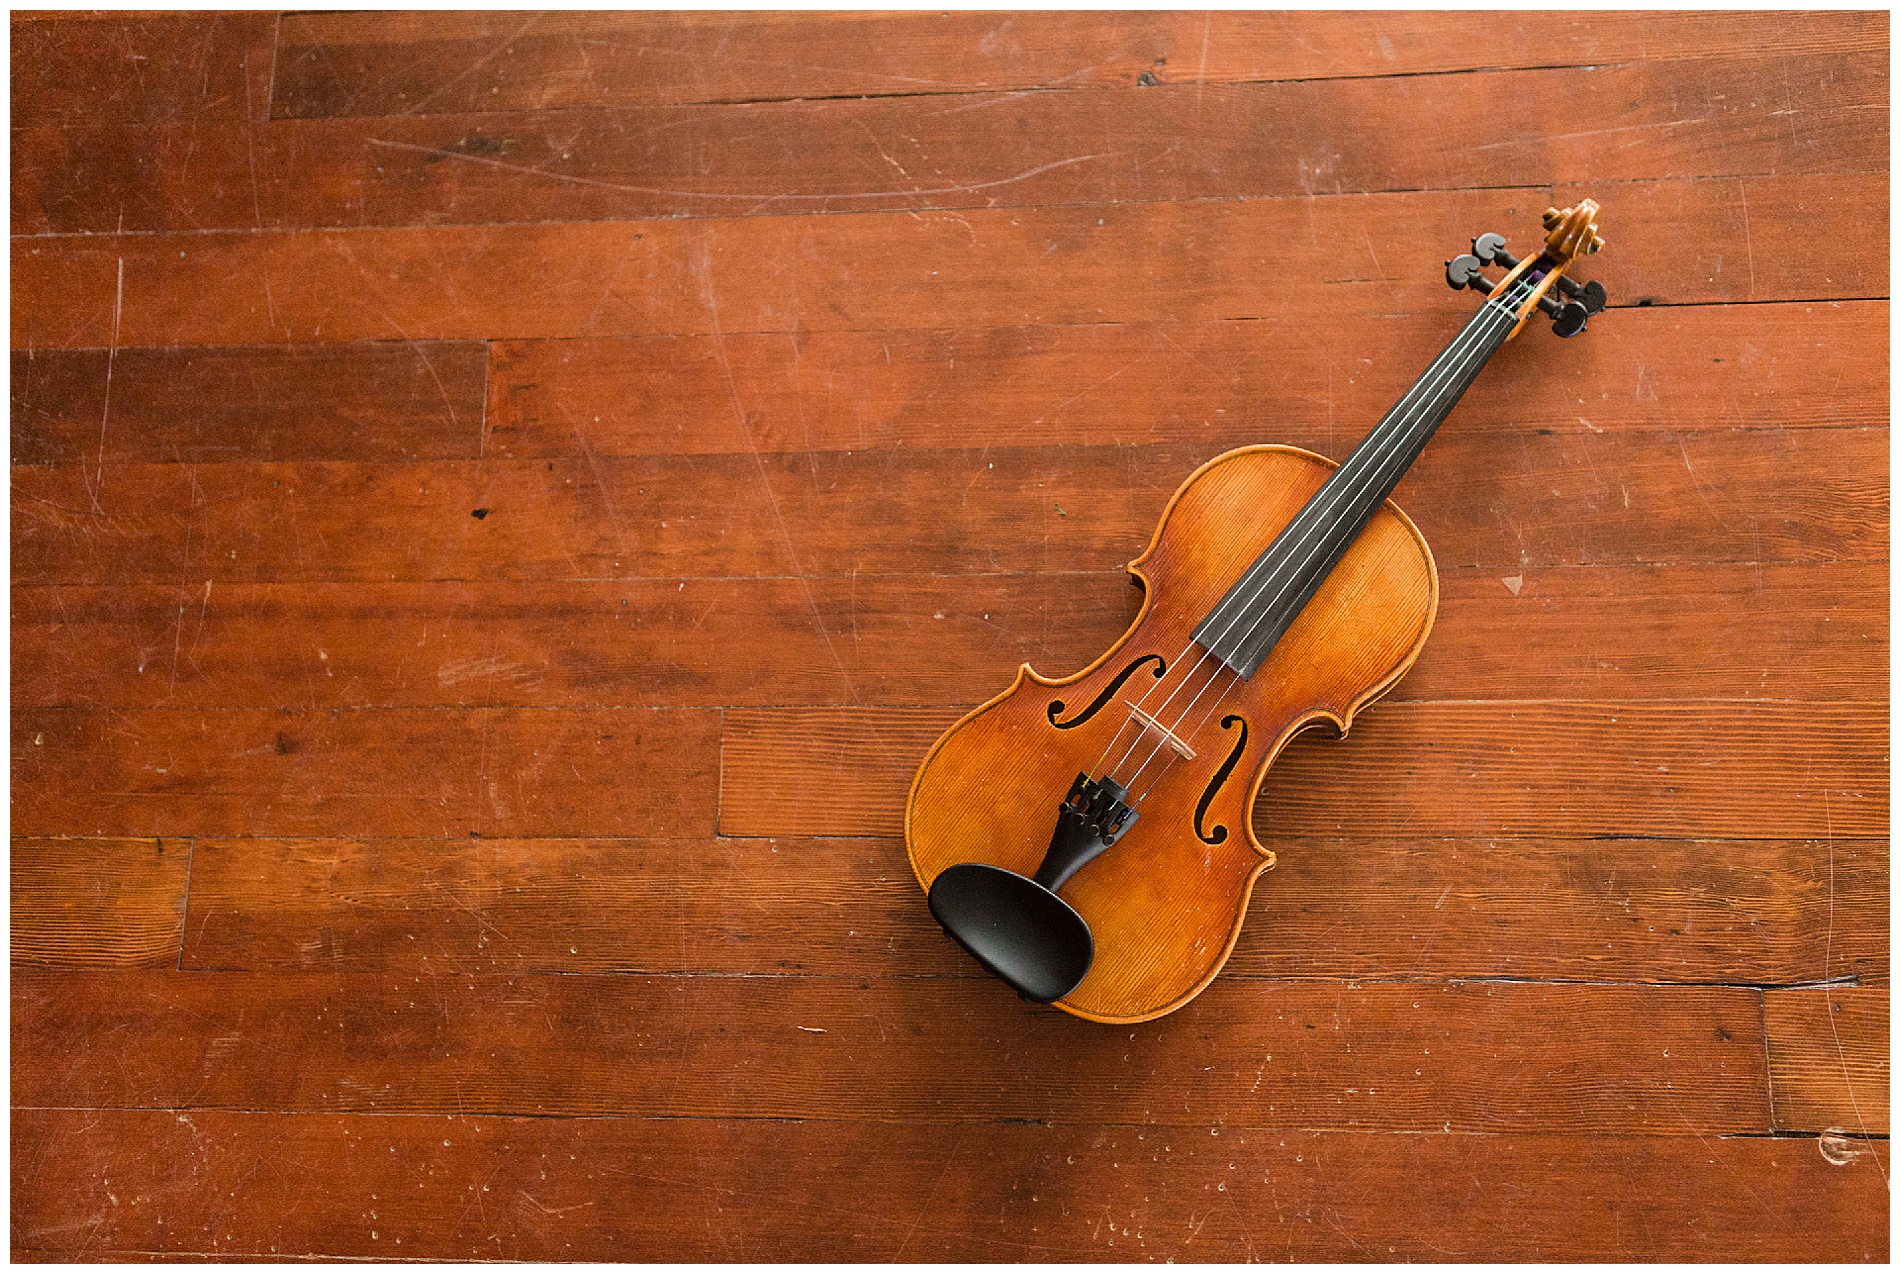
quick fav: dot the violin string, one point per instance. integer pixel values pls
(1451, 365)
(1426, 383)
(1377, 468)
(1377, 472)
(1395, 416)
(1472, 335)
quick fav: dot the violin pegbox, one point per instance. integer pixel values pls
(1569, 233)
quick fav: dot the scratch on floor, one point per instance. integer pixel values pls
(1748, 240)
(1200, 76)
(439, 386)
(1827, 1004)
(178, 636)
(1593, 132)
(1700, 493)
(1082, 393)
(112, 350)
(930, 1195)
(953, 188)
(556, 1211)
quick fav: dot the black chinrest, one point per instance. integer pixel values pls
(1016, 929)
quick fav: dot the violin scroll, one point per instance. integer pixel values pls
(1572, 232)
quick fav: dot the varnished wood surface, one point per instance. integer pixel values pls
(333, 799)
(484, 1187)
(981, 791)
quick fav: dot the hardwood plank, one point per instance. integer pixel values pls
(493, 772)
(1828, 1058)
(98, 178)
(704, 905)
(1183, 261)
(327, 402)
(1493, 1057)
(1707, 118)
(828, 771)
(664, 642)
(98, 903)
(1632, 910)
(396, 64)
(1631, 632)
(1710, 117)
(1556, 769)
(1729, 632)
(1722, 211)
(138, 1182)
(141, 68)
(1737, 367)
(1510, 503)
(1763, 770)
(1601, 910)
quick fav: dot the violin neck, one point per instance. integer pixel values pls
(1243, 628)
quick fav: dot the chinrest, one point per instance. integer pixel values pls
(1016, 929)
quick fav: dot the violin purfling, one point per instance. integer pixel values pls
(1089, 839)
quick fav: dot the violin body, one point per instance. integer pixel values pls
(1090, 841)
(1166, 903)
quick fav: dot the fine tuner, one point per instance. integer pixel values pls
(1570, 315)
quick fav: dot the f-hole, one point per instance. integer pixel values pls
(1055, 709)
(1219, 834)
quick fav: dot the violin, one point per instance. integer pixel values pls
(1088, 839)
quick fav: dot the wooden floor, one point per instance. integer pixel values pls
(502, 504)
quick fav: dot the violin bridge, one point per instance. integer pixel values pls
(1168, 736)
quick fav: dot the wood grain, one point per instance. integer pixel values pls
(372, 402)
(1319, 386)
(1176, 261)
(1634, 632)
(105, 1183)
(1563, 769)
(1828, 1058)
(1015, 149)
(1510, 503)
(492, 772)
(1478, 1057)
(395, 64)
(1597, 911)
(98, 903)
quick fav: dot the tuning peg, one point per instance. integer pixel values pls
(1489, 248)
(1592, 295)
(1466, 272)
(1570, 318)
